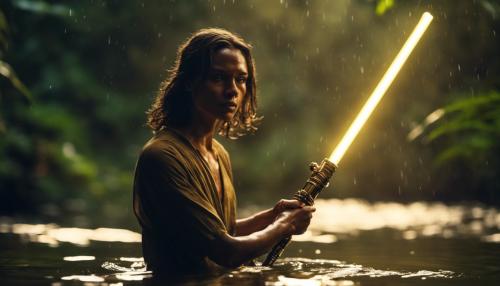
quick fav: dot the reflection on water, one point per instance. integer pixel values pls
(328, 272)
(52, 234)
(391, 241)
(79, 258)
(333, 218)
(133, 272)
(324, 272)
(84, 278)
(419, 219)
(305, 271)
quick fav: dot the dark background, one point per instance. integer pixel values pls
(76, 78)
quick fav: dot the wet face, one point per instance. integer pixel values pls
(219, 96)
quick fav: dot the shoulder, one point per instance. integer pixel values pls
(157, 148)
(163, 149)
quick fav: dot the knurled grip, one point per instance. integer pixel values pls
(317, 181)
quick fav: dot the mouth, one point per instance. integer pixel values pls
(231, 106)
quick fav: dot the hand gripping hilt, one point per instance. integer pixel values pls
(319, 179)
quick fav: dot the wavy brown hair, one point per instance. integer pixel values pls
(173, 104)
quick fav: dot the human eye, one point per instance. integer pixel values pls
(241, 79)
(216, 77)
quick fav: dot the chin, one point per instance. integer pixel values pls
(228, 116)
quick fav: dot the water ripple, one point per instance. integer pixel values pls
(333, 272)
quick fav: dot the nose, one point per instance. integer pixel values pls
(231, 89)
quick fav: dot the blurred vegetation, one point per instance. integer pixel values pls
(93, 67)
(467, 139)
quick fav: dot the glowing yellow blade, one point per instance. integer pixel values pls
(381, 88)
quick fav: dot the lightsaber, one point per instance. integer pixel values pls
(322, 173)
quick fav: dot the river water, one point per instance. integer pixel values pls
(349, 242)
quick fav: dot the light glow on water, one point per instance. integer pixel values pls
(84, 278)
(333, 272)
(79, 258)
(333, 217)
(315, 237)
(406, 229)
(287, 281)
(492, 238)
(53, 235)
(418, 219)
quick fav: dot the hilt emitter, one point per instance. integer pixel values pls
(320, 177)
(318, 180)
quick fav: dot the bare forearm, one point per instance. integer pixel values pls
(234, 251)
(254, 223)
(231, 251)
(262, 219)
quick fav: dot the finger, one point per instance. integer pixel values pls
(309, 209)
(294, 203)
(291, 204)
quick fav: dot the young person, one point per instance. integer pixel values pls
(183, 192)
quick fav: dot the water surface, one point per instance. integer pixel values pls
(350, 242)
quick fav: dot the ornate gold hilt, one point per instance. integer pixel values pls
(319, 179)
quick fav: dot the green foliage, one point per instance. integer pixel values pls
(93, 68)
(42, 7)
(471, 128)
(467, 140)
(5, 69)
(60, 148)
(383, 6)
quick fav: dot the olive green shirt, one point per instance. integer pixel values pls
(178, 206)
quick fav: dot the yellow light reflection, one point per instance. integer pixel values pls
(79, 258)
(381, 88)
(52, 234)
(84, 278)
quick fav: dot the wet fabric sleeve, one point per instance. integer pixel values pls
(173, 201)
